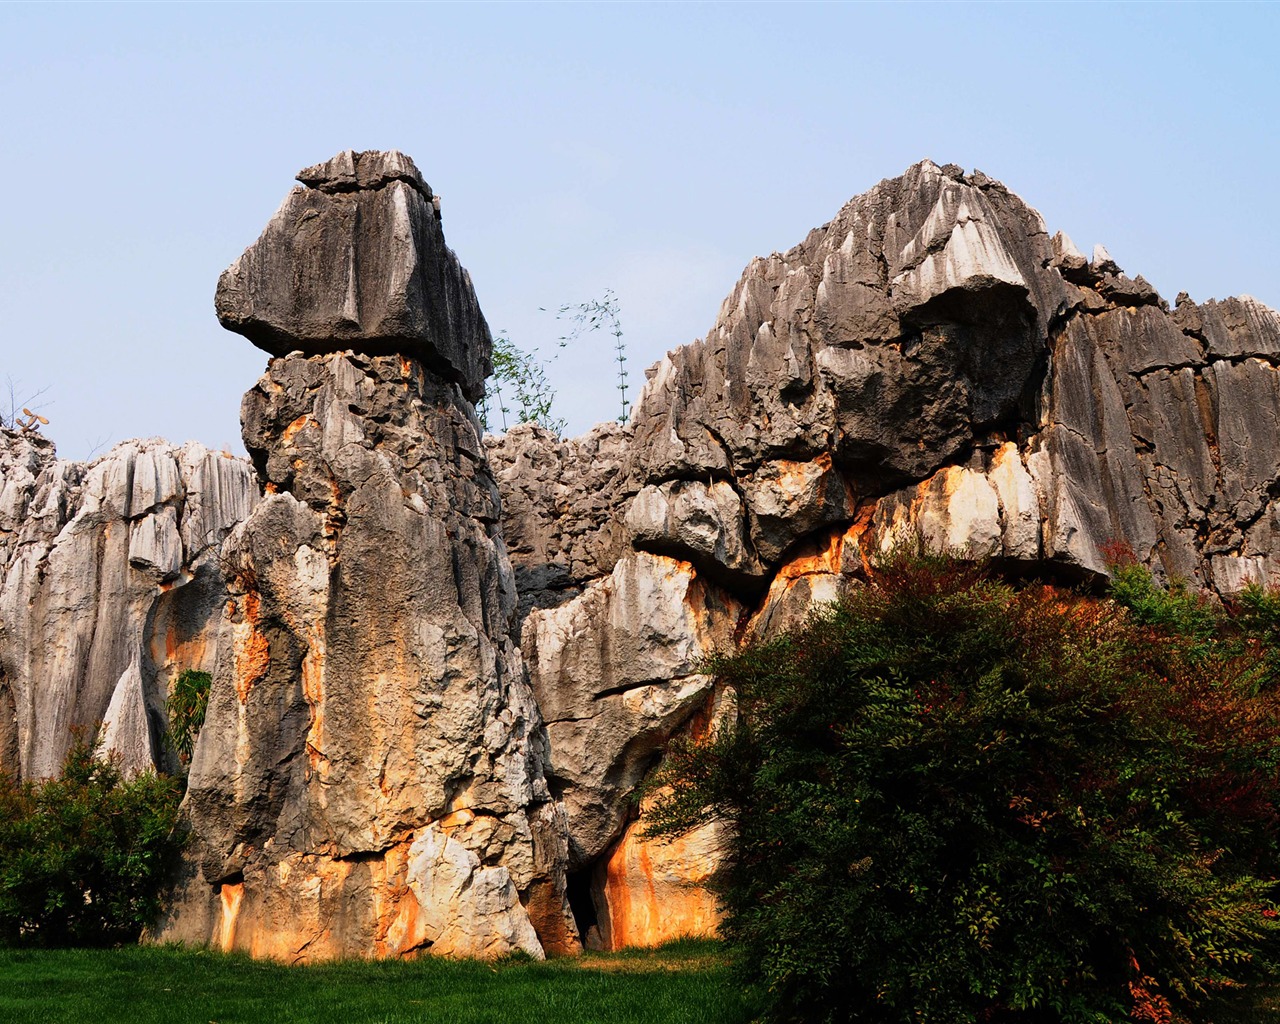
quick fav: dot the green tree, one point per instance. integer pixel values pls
(956, 800)
(82, 856)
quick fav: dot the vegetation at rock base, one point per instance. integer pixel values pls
(685, 983)
(186, 706)
(82, 856)
(959, 800)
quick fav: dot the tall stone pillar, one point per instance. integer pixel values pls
(370, 777)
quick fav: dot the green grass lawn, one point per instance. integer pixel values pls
(682, 982)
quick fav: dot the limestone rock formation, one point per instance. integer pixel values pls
(928, 366)
(356, 259)
(110, 585)
(647, 893)
(615, 671)
(382, 770)
(369, 780)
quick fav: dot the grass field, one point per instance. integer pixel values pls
(683, 982)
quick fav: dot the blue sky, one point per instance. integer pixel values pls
(648, 148)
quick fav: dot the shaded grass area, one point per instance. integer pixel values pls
(687, 982)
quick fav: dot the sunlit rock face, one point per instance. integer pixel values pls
(928, 367)
(110, 586)
(616, 674)
(444, 670)
(369, 780)
(650, 891)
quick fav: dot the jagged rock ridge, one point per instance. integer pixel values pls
(110, 585)
(929, 365)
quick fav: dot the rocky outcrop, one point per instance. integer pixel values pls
(369, 780)
(560, 500)
(615, 672)
(647, 892)
(382, 770)
(110, 585)
(930, 366)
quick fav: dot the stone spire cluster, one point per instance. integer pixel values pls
(444, 665)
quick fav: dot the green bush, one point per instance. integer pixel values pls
(1175, 609)
(82, 856)
(1256, 612)
(186, 706)
(1246, 630)
(959, 801)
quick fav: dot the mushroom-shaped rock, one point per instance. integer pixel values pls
(355, 259)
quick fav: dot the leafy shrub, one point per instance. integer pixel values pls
(1247, 629)
(82, 856)
(1175, 609)
(1256, 611)
(186, 706)
(955, 801)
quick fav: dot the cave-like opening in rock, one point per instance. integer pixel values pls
(583, 905)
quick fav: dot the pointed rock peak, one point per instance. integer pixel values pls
(350, 171)
(927, 169)
(922, 170)
(1102, 262)
(1070, 261)
(1065, 249)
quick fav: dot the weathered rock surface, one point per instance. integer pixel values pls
(561, 500)
(370, 777)
(356, 259)
(369, 780)
(650, 891)
(928, 366)
(615, 673)
(110, 585)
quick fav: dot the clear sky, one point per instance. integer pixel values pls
(648, 148)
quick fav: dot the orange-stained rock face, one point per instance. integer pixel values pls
(425, 893)
(616, 672)
(649, 891)
(370, 773)
(313, 692)
(303, 421)
(820, 570)
(250, 648)
(230, 896)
